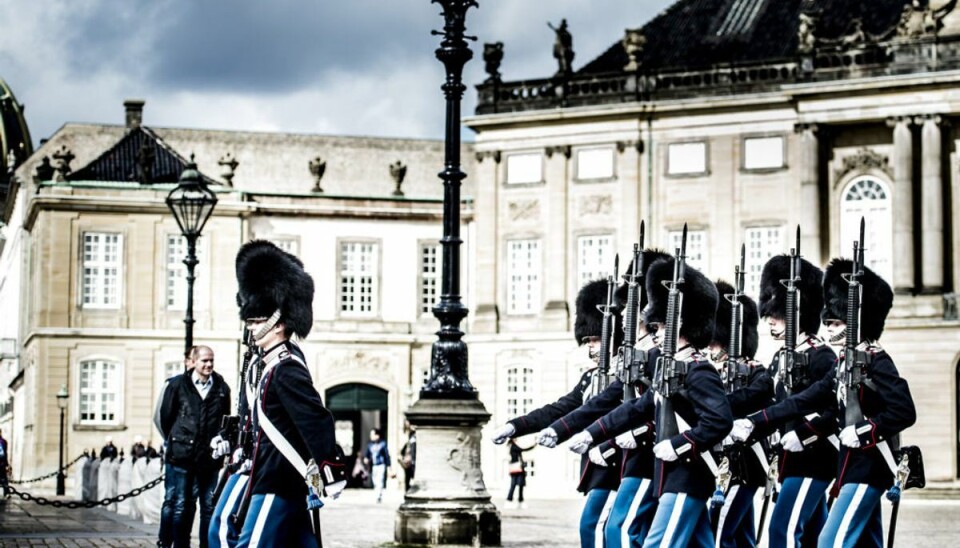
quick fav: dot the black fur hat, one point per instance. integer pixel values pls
(773, 296)
(589, 320)
(698, 316)
(750, 338)
(650, 256)
(270, 279)
(875, 304)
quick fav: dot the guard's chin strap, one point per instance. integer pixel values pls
(267, 326)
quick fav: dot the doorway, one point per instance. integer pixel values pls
(357, 408)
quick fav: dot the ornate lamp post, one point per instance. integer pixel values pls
(62, 397)
(192, 204)
(447, 502)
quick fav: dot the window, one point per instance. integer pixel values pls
(358, 278)
(763, 153)
(524, 168)
(687, 159)
(762, 243)
(102, 263)
(99, 392)
(696, 246)
(430, 260)
(595, 163)
(519, 390)
(176, 287)
(869, 198)
(524, 262)
(594, 258)
(290, 245)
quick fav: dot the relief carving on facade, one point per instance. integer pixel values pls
(595, 205)
(919, 20)
(863, 160)
(357, 360)
(465, 458)
(524, 210)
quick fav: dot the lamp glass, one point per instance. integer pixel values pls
(62, 397)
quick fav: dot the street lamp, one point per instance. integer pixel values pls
(62, 397)
(192, 204)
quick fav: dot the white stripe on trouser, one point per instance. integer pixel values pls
(795, 513)
(848, 515)
(261, 521)
(674, 519)
(602, 522)
(632, 513)
(238, 488)
(727, 503)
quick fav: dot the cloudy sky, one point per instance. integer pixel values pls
(354, 67)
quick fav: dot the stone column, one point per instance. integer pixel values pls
(486, 188)
(903, 264)
(556, 313)
(628, 176)
(932, 205)
(809, 215)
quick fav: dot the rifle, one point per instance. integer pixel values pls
(854, 370)
(230, 424)
(769, 492)
(633, 361)
(670, 374)
(245, 434)
(793, 364)
(607, 331)
(731, 375)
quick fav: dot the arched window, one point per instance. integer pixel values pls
(870, 198)
(100, 397)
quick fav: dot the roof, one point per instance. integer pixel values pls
(694, 34)
(14, 133)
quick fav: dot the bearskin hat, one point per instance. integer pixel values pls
(773, 295)
(650, 256)
(750, 338)
(271, 279)
(875, 304)
(589, 320)
(700, 298)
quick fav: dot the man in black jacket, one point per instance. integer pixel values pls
(192, 407)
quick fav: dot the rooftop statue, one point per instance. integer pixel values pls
(563, 48)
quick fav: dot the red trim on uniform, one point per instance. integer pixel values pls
(600, 422)
(565, 424)
(843, 470)
(692, 443)
(623, 464)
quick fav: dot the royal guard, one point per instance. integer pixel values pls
(295, 459)
(686, 400)
(598, 483)
(749, 388)
(791, 299)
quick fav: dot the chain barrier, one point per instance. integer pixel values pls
(50, 475)
(73, 504)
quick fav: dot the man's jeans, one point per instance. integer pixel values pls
(182, 489)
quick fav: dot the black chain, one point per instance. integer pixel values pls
(51, 474)
(43, 501)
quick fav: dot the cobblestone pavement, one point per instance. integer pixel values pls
(356, 521)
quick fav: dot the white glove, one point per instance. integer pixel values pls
(727, 441)
(626, 440)
(791, 442)
(742, 428)
(596, 457)
(245, 466)
(503, 433)
(220, 447)
(335, 489)
(665, 451)
(547, 438)
(849, 437)
(581, 442)
(237, 454)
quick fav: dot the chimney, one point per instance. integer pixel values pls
(134, 112)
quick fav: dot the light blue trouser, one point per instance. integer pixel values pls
(594, 517)
(276, 521)
(632, 514)
(855, 519)
(680, 522)
(799, 514)
(222, 533)
(736, 528)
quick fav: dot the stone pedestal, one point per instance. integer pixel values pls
(448, 502)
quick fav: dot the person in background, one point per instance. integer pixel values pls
(518, 474)
(377, 457)
(408, 456)
(109, 450)
(4, 461)
(137, 450)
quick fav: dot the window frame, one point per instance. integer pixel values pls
(204, 281)
(375, 314)
(537, 307)
(576, 253)
(603, 179)
(749, 288)
(506, 168)
(887, 187)
(291, 239)
(118, 377)
(688, 174)
(421, 245)
(769, 169)
(120, 266)
(704, 264)
(525, 401)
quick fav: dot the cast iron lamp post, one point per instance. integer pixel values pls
(62, 397)
(192, 204)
